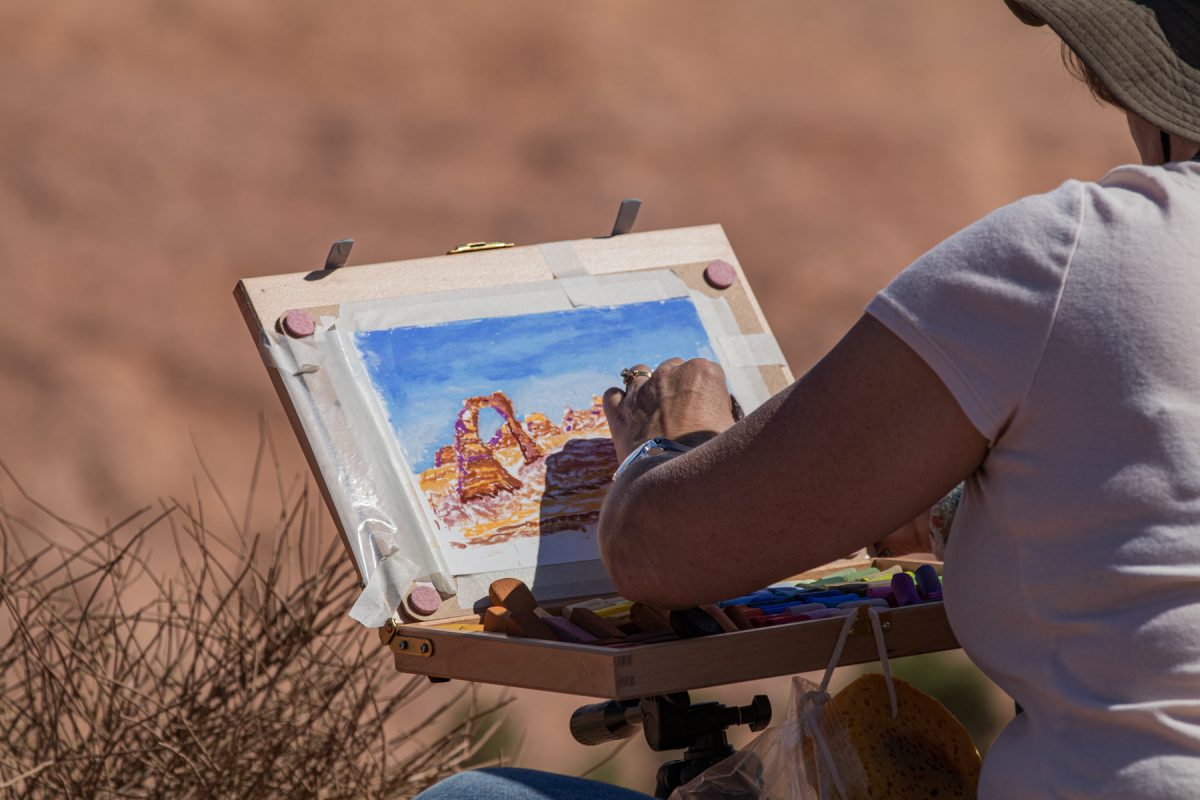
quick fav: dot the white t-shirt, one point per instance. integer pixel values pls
(1067, 326)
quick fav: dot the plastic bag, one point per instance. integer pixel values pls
(922, 752)
(808, 757)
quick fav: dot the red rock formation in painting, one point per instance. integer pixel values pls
(502, 438)
(479, 473)
(444, 455)
(576, 421)
(540, 427)
(582, 465)
(530, 478)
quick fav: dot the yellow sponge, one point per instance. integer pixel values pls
(924, 752)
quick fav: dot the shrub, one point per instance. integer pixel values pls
(223, 668)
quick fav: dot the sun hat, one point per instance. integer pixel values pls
(1147, 52)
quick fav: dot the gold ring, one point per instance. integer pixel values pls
(628, 374)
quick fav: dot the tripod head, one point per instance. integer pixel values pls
(671, 722)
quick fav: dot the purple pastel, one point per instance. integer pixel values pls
(904, 589)
(568, 631)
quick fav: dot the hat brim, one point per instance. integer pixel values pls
(1147, 52)
(1024, 14)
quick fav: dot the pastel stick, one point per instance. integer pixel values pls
(927, 580)
(512, 594)
(874, 602)
(567, 631)
(595, 624)
(692, 622)
(497, 620)
(648, 619)
(727, 624)
(904, 589)
(739, 617)
(531, 625)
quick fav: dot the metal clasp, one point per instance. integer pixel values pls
(339, 251)
(471, 247)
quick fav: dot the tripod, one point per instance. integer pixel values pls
(671, 722)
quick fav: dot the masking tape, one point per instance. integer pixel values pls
(562, 259)
(392, 509)
(752, 350)
(439, 307)
(745, 381)
(385, 590)
(291, 356)
(599, 291)
(584, 290)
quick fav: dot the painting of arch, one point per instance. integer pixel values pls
(501, 424)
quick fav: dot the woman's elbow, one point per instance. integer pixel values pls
(618, 549)
(626, 547)
(639, 569)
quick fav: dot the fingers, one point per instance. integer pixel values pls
(677, 398)
(640, 379)
(641, 374)
(694, 371)
(633, 376)
(612, 399)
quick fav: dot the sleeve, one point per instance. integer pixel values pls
(979, 307)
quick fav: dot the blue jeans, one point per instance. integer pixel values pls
(511, 783)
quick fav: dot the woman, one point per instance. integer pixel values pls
(1046, 355)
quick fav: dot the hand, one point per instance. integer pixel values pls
(682, 400)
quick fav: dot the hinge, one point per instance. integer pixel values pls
(400, 644)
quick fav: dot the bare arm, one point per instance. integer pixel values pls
(858, 447)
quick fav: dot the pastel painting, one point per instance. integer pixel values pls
(501, 422)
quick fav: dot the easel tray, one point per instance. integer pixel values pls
(652, 669)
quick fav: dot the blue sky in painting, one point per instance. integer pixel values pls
(544, 362)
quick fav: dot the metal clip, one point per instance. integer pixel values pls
(471, 247)
(339, 251)
(626, 216)
(400, 644)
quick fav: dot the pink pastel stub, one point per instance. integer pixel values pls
(298, 323)
(720, 274)
(424, 600)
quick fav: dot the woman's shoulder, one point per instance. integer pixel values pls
(1142, 193)
(1130, 196)
(1028, 218)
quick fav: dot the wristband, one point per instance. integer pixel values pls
(651, 447)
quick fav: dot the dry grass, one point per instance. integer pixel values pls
(224, 667)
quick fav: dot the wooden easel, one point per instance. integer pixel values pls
(634, 672)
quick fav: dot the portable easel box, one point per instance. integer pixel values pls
(388, 373)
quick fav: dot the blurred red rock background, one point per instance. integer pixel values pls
(155, 152)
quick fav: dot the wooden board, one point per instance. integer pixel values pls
(685, 251)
